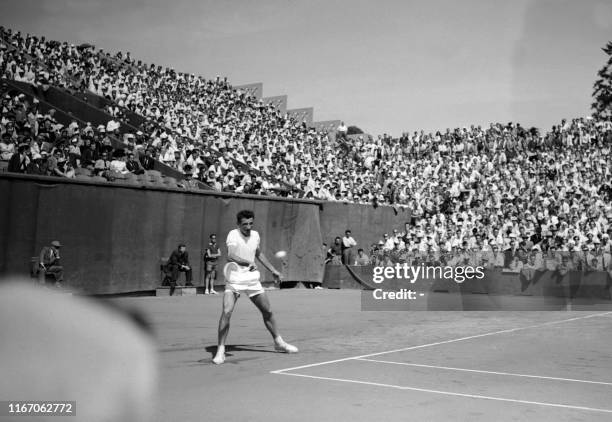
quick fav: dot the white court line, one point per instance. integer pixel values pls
(486, 372)
(450, 393)
(511, 330)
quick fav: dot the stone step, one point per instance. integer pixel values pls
(178, 291)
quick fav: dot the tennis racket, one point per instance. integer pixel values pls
(229, 268)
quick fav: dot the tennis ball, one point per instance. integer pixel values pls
(280, 254)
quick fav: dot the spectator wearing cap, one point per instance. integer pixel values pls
(49, 263)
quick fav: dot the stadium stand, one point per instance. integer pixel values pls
(490, 184)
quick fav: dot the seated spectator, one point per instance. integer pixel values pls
(37, 166)
(102, 165)
(189, 182)
(53, 162)
(7, 147)
(20, 160)
(147, 160)
(132, 165)
(118, 166)
(49, 263)
(74, 152)
(89, 155)
(361, 258)
(65, 167)
(179, 262)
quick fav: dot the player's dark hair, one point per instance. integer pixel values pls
(181, 245)
(212, 234)
(244, 214)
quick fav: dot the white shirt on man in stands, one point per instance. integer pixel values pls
(118, 165)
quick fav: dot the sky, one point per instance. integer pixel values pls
(387, 66)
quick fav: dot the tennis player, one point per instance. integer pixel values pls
(242, 276)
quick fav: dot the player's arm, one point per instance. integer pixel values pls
(262, 258)
(231, 257)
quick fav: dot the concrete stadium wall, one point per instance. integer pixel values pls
(113, 236)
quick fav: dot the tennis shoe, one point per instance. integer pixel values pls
(284, 347)
(219, 359)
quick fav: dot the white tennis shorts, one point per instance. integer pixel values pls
(244, 281)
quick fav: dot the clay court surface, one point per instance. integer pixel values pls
(392, 366)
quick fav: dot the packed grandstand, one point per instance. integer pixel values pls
(502, 186)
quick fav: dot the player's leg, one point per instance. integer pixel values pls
(229, 302)
(262, 303)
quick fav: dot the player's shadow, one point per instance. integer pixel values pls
(229, 348)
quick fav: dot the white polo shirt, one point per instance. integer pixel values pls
(241, 246)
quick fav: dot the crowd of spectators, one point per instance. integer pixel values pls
(33, 142)
(542, 242)
(501, 182)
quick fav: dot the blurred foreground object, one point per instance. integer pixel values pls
(61, 347)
